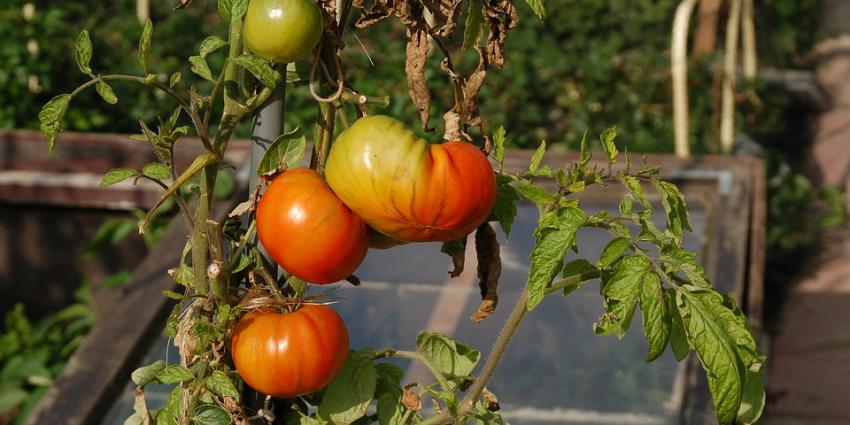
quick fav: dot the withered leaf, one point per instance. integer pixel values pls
(414, 67)
(501, 16)
(411, 400)
(489, 270)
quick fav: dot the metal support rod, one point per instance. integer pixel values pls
(679, 69)
(268, 125)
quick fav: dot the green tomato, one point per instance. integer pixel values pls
(282, 31)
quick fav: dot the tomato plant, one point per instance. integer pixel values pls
(307, 230)
(379, 172)
(407, 189)
(282, 31)
(290, 353)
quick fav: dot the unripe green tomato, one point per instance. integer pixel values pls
(282, 31)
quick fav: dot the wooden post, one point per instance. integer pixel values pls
(727, 111)
(748, 28)
(705, 40)
(679, 69)
(143, 10)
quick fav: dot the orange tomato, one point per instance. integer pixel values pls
(407, 189)
(307, 230)
(289, 354)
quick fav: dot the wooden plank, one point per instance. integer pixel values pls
(758, 248)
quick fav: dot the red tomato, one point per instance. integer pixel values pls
(289, 354)
(407, 189)
(307, 230)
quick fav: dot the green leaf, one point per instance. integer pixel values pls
(11, 398)
(612, 252)
(174, 79)
(753, 398)
(116, 279)
(504, 210)
(200, 67)
(117, 175)
(574, 268)
(538, 8)
(238, 8)
(585, 153)
(621, 290)
(498, 135)
(703, 314)
(196, 166)
(388, 394)
(537, 157)
(224, 7)
(83, 52)
(259, 68)
(156, 170)
(472, 36)
(679, 259)
(147, 374)
(145, 45)
(547, 256)
(607, 138)
(287, 149)
(221, 384)
(173, 374)
(674, 204)
(348, 396)
(50, 118)
(184, 275)
(209, 414)
(455, 360)
(636, 189)
(211, 44)
(106, 93)
(173, 408)
(244, 263)
(678, 337)
(656, 318)
(535, 194)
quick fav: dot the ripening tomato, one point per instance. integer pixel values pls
(289, 354)
(282, 31)
(307, 230)
(407, 189)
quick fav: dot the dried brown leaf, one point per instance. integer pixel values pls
(417, 82)
(501, 16)
(490, 400)
(411, 400)
(380, 9)
(489, 270)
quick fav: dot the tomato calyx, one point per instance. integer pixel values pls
(265, 299)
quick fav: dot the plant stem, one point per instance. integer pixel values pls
(419, 357)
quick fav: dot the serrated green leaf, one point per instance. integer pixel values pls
(538, 8)
(287, 149)
(678, 337)
(574, 268)
(184, 275)
(504, 210)
(83, 52)
(173, 320)
(106, 93)
(196, 166)
(174, 79)
(50, 118)
(753, 398)
(200, 67)
(612, 252)
(675, 207)
(219, 383)
(498, 136)
(211, 44)
(607, 138)
(209, 414)
(453, 359)
(224, 7)
(173, 408)
(625, 206)
(173, 295)
(585, 153)
(474, 29)
(146, 374)
(259, 68)
(117, 175)
(238, 8)
(537, 157)
(156, 170)
(636, 190)
(547, 256)
(145, 45)
(388, 394)
(621, 292)
(679, 259)
(244, 263)
(348, 396)
(702, 314)
(656, 317)
(535, 194)
(173, 374)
